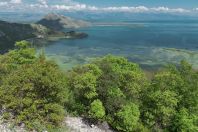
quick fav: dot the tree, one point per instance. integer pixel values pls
(121, 80)
(97, 109)
(185, 122)
(127, 118)
(35, 93)
(189, 91)
(114, 82)
(172, 99)
(22, 54)
(162, 99)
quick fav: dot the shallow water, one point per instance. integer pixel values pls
(151, 44)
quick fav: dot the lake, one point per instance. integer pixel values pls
(151, 44)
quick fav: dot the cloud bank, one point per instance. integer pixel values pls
(71, 6)
(16, 1)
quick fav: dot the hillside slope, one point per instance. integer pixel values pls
(12, 32)
(59, 22)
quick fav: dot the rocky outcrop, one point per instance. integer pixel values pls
(59, 22)
(78, 124)
(73, 124)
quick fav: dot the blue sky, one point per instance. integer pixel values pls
(148, 3)
(130, 6)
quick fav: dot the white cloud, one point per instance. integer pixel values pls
(16, 1)
(43, 2)
(138, 9)
(126, 9)
(3, 3)
(166, 9)
(195, 9)
(69, 5)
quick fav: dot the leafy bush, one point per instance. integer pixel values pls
(185, 121)
(83, 82)
(35, 92)
(127, 118)
(172, 99)
(22, 54)
(97, 109)
(108, 85)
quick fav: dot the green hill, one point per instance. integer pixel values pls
(12, 32)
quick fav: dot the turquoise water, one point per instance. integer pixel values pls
(150, 44)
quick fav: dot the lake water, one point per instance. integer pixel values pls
(150, 44)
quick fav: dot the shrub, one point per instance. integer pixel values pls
(14, 58)
(184, 122)
(108, 85)
(127, 118)
(97, 109)
(172, 99)
(35, 92)
(162, 99)
(83, 83)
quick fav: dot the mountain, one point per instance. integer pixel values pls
(12, 32)
(59, 22)
(47, 29)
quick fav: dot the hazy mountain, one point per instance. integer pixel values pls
(45, 29)
(12, 32)
(98, 16)
(59, 22)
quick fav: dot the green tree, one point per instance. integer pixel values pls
(83, 82)
(127, 118)
(114, 81)
(172, 99)
(35, 93)
(189, 91)
(162, 99)
(22, 54)
(185, 122)
(97, 109)
(121, 80)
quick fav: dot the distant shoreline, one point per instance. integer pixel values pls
(108, 24)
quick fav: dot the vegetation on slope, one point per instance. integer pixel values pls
(11, 32)
(35, 92)
(39, 32)
(129, 102)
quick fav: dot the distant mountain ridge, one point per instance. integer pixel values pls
(49, 28)
(59, 22)
(11, 32)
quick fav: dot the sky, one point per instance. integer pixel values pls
(130, 6)
(148, 3)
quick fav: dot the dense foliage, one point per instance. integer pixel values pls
(116, 84)
(131, 102)
(171, 100)
(35, 92)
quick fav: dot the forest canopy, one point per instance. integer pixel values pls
(36, 92)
